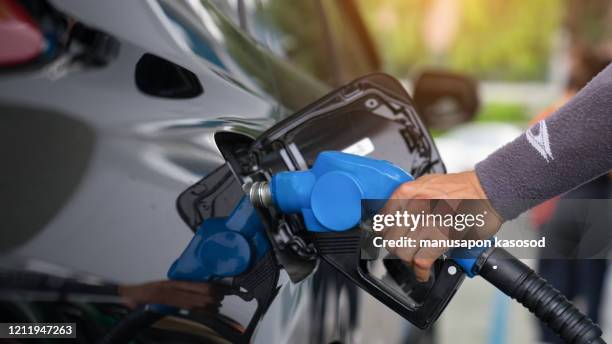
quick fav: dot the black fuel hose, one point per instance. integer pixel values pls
(131, 325)
(520, 282)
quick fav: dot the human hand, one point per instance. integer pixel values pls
(413, 197)
(181, 294)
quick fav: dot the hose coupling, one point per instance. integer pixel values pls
(259, 194)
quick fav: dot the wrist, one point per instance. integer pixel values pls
(481, 194)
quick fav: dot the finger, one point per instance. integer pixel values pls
(195, 287)
(421, 188)
(195, 299)
(392, 206)
(453, 204)
(406, 191)
(206, 302)
(425, 257)
(175, 300)
(408, 230)
(186, 300)
(404, 253)
(423, 262)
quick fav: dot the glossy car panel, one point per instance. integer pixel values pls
(133, 153)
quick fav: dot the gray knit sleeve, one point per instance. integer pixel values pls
(569, 148)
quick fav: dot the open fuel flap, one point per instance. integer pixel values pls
(372, 116)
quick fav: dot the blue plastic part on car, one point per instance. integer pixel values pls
(223, 247)
(329, 195)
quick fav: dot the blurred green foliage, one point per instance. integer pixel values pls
(512, 113)
(503, 112)
(494, 39)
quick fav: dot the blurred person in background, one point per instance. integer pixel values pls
(562, 221)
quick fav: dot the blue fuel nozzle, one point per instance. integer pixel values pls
(329, 195)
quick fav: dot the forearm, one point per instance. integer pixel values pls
(571, 147)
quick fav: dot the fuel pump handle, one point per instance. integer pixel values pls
(329, 197)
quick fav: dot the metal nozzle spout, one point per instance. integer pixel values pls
(260, 195)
